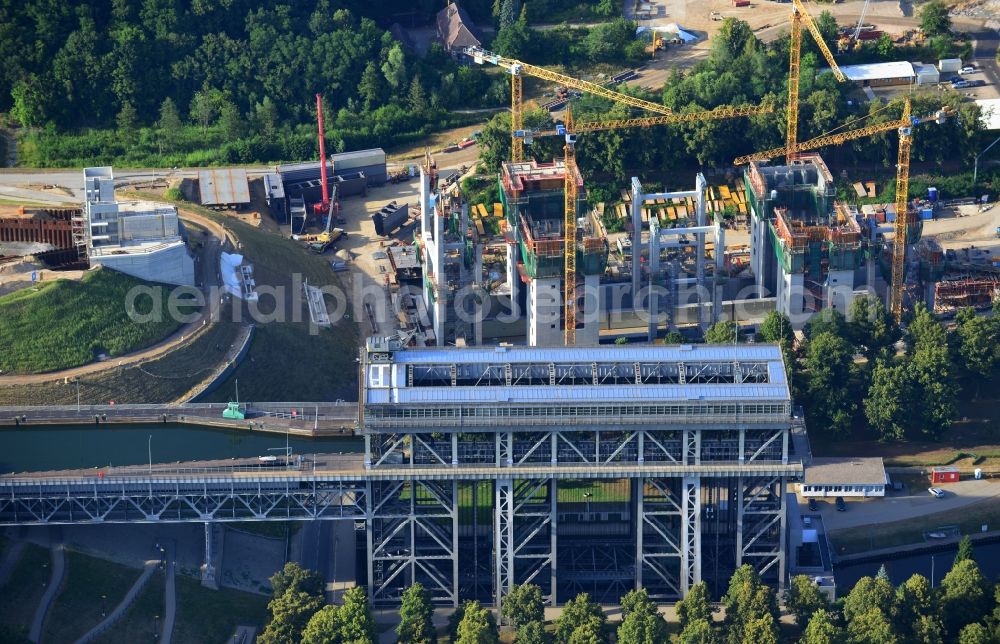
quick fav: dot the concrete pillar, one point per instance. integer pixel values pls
(208, 577)
(700, 185)
(544, 312)
(553, 539)
(720, 266)
(590, 334)
(653, 308)
(636, 238)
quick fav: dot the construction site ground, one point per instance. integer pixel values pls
(769, 21)
(964, 227)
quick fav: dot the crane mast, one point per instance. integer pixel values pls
(325, 206)
(800, 15)
(901, 227)
(569, 236)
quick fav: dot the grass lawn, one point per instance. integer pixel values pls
(910, 531)
(287, 361)
(211, 616)
(66, 323)
(143, 622)
(91, 586)
(162, 380)
(20, 596)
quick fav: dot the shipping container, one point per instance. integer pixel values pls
(945, 475)
(390, 218)
(949, 65)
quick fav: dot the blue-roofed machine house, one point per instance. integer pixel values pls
(602, 468)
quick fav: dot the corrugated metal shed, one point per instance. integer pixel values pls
(224, 187)
(357, 159)
(877, 71)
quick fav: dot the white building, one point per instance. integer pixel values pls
(139, 238)
(837, 476)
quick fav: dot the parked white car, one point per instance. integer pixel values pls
(936, 492)
(968, 69)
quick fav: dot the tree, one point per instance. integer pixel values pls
(928, 630)
(127, 120)
(170, 117)
(532, 633)
(295, 577)
(804, 598)
(513, 40)
(934, 19)
(978, 338)
(870, 326)
(203, 108)
(699, 631)
(889, 404)
(762, 630)
(477, 626)
(747, 599)
(674, 337)
(33, 101)
(723, 332)
(694, 606)
(643, 627)
(822, 630)
(884, 46)
(291, 611)
(577, 612)
(323, 627)
(869, 594)
(777, 328)
(975, 634)
(357, 624)
(965, 552)
(371, 89)
(417, 97)
(621, 341)
(589, 632)
(230, 120)
(524, 603)
(266, 117)
(871, 627)
(829, 321)
(416, 623)
(914, 600)
(829, 365)
(965, 595)
(394, 67)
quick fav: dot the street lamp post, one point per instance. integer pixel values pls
(975, 166)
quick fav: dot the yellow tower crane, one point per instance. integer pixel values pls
(517, 69)
(569, 234)
(904, 125)
(519, 136)
(798, 16)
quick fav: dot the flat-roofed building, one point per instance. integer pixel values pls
(844, 476)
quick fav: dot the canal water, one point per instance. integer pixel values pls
(56, 447)
(900, 569)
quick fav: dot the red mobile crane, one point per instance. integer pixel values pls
(323, 208)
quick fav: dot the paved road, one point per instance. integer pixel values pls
(897, 508)
(170, 609)
(58, 570)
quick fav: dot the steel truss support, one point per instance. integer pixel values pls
(145, 501)
(525, 542)
(760, 537)
(412, 537)
(691, 533)
(658, 537)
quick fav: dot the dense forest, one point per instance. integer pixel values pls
(232, 78)
(740, 69)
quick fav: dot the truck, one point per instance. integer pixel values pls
(946, 65)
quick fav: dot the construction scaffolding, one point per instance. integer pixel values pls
(958, 292)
